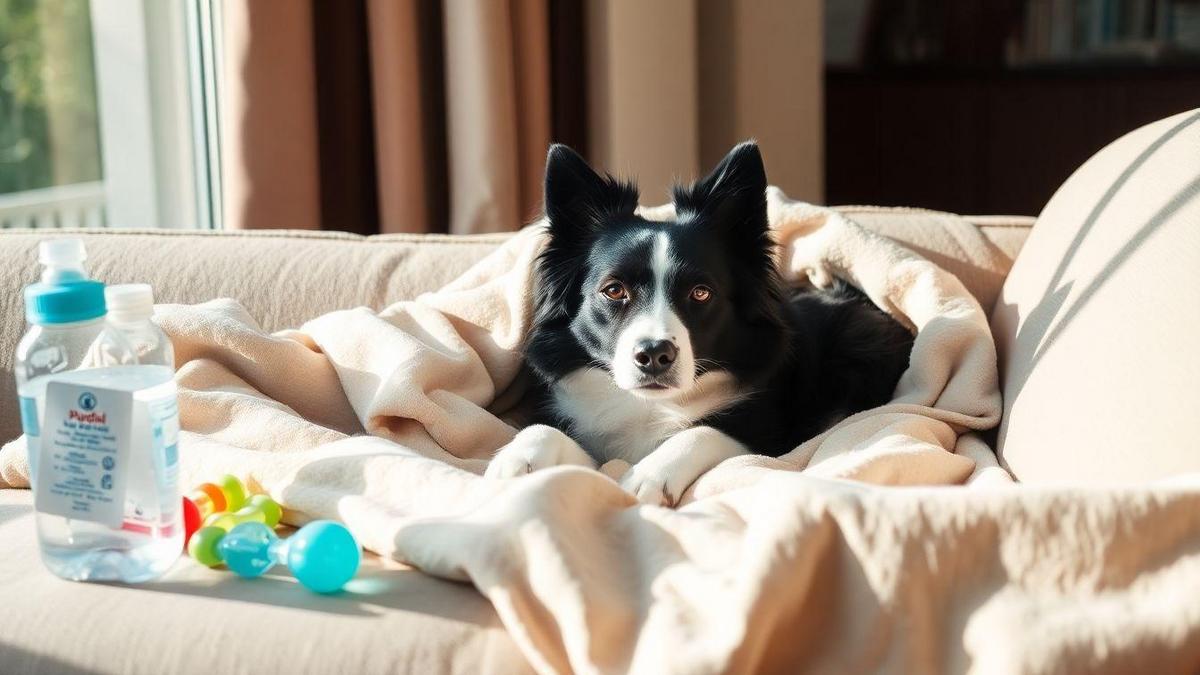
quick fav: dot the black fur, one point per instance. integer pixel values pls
(810, 358)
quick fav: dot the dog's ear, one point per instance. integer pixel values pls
(578, 200)
(732, 197)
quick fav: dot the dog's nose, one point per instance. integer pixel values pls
(654, 357)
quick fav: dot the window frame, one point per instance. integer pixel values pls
(155, 97)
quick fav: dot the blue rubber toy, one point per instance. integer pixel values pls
(322, 555)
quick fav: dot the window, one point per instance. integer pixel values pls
(103, 110)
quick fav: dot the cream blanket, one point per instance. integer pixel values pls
(769, 564)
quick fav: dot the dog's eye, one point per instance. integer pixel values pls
(615, 291)
(701, 294)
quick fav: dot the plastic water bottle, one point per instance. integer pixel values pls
(130, 310)
(154, 502)
(100, 431)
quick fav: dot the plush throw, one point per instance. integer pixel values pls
(818, 560)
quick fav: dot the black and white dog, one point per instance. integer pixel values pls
(674, 345)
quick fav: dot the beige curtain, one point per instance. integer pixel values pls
(471, 164)
(674, 84)
(268, 116)
(435, 115)
(498, 111)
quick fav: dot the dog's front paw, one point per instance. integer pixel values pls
(536, 447)
(649, 485)
(664, 475)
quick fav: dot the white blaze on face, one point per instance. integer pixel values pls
(659, 322)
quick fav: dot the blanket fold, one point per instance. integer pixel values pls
(817, 560)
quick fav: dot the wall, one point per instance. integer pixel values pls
(673, 84)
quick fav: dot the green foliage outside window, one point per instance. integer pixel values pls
(49, 125)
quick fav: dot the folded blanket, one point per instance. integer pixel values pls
(385, 420)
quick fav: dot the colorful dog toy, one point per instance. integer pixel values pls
(223, 526)
(225, 506)
(322, 555)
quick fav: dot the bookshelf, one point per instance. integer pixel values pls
(986, 106)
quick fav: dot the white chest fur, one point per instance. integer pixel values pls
(612, 423)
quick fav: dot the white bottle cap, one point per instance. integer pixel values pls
(129, 302)
(63, 260)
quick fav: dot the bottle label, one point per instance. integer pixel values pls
(84, 454)
(152, 499)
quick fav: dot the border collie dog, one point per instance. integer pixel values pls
(675, 345)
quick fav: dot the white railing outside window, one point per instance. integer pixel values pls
(61, 206)
(151, 121)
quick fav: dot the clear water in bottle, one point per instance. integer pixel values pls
(101, 431)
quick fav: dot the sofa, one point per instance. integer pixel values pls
(1093, 306)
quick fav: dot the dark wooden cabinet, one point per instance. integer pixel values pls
(983, 142)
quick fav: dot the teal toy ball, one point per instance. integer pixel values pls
(249, 549)
(323, 555)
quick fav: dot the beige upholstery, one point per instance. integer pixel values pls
(979, 250)
(1097, 325)
(196, 620)
(199, 621)
(285, 278)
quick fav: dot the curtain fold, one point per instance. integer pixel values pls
(435, 115)
(268, 116)
(458, 96)
(407, 134)
(498, 111)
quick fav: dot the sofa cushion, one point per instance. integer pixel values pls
(979, 250)
(1097, 323)
(390, 619)
(284, 278)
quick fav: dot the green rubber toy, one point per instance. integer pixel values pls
(269, 509)
(203, 546)
(235, 492)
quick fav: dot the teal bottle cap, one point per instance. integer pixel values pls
(48, 304)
